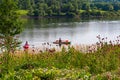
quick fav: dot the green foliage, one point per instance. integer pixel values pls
(22, 12)
(101, 64)
(47, 74)
(10, 25)
(68, 8)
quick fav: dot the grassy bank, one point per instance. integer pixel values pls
(22, 12)
(70, 64)
(82, 14)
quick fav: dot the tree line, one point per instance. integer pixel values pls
(69, 8)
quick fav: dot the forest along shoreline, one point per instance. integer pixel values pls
(69, 8)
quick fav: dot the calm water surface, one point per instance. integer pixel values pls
(77, 31)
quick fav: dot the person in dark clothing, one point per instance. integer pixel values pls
(60, 42)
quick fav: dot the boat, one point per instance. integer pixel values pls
(62, 42)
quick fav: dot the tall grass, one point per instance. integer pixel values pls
(96, 63)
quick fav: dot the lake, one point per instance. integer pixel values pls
(78, 31)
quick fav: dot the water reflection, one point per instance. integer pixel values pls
(78, 31)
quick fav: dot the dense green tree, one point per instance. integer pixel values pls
(86, 6)
(10, 25)
(66, 7)
(116, 6)
(110, 7)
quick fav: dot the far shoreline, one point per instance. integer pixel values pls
(81, 18)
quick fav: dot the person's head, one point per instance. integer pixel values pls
(26, 43)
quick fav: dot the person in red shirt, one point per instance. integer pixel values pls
(26, 46)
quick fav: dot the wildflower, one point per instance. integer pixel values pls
(119, 35)
(86, 77)
(0, 62)
(110, 42)
(102, 38)
(106, 38)
(109, 76)
(33, 50)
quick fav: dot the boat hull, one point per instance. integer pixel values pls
(61, 42)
